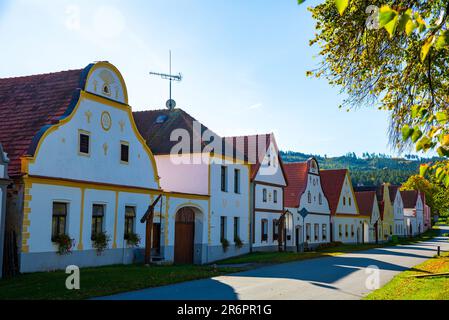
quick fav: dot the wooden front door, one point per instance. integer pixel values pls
(184, 236)
(156, 243)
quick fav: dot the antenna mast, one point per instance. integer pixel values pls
(171, 104)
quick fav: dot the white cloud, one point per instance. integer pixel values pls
(256, 106)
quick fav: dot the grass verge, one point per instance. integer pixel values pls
(102, 281)
(406, 287)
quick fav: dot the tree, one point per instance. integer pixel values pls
(437, 196)
(392, 55)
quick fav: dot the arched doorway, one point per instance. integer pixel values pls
(184, 236)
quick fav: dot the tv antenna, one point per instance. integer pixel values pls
(171, 104)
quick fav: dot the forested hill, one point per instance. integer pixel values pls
(370, 169)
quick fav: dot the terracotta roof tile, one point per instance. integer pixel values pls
(409, 198)
(29, 104)
(297, 175)
(365, 201)
(332, 183)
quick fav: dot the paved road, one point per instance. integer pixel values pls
(342, 277)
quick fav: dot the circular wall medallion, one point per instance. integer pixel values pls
(106, 121)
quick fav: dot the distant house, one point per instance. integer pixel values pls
(386, 228)
(347, 225)
(4, 181)
(268, 181)
(369, 207)
(305, 197)
(218, 227)
(427, 218)
(413, 212)
(398, 209)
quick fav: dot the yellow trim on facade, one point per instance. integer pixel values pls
(114, 245)
(80, 243)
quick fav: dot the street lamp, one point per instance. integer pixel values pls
(303, 213)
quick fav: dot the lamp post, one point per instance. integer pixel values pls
(304, 213)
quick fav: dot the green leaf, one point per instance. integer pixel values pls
(301, 1)
(426, 47)
(404, 20)
(442, 117)
(406, 132)
(446, 181)
(443, 40)
(423, 169)
(416, 135)
(341, 5)
(443, 152)
(388, 19)
(415, 111)
(424, 144)
(439, 173)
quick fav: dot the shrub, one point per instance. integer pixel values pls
(100, 242)
(238, 242)
(132, 239)
(65, 244)
(225, 244)
(329, 245)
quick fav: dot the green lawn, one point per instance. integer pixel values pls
(102, 281)
(282, 257)
(406, 287)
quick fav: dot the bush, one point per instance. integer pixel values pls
(329, 245)
(100, 242)
(238, 243)
(65, 244)
(132, 239)
(225, 244)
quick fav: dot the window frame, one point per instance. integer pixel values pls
(264, 230)
(237, 181)
(275, 230)
(316, 232)
(124, 144)
(308, 231)
(265, 195)
(224, 178)
(130, 221)
(223, 222)
(236, 228)
(96, 218)
(88, 134)
(275, 196)
(324, 232)
(58, 217)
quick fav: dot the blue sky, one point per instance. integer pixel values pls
(244, 63)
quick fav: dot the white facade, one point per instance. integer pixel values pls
(375, 220)
(400, 229)
(315, 228)
(268, 207)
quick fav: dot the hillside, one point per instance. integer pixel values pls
(370, 169)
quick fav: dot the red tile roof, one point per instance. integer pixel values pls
(365, 201)
(332, 183)
(393, 191)
(409, 198)
(254, 149)
(297, 175)
(28, 105)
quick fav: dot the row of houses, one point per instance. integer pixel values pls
(78, 162)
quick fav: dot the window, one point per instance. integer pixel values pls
(344, 201)
(350, 201)
(124, 152)
(317, 232)
(264, 233)
(130, 218)
(308, 231)
(97, 219)
(275, 230)
(309, 197)
(264, 195)
(236, 228)
(352, 231)
(275, 196)
(320, 199)
(324, 232)
(340, 230)
(346, 231)
(391, 230)
(224, 179)
(222, 228)
(84, 143)
(59, 220)
(236, 181)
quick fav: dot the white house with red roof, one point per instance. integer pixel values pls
(400, 229)
(81, 172)
(4, 182)
(369, 207)
(348, 226)
(307, 204)
(268, 181)
(413, 212)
